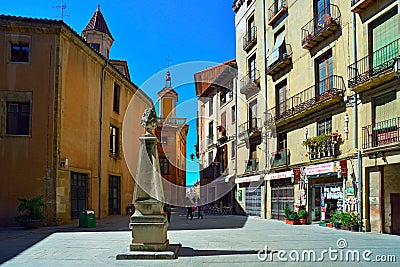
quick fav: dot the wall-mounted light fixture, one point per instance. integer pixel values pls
(346, 126)
(305, 133)
(396, 67)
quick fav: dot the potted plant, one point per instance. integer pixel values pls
(345, 218)
(32, 212)
(303, 216)
(335, 219)
(354, 221)
(286, 212)
(293, 218)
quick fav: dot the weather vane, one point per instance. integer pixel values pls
(169, 60)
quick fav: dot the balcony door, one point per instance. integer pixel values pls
(281, 97)
(322, 7)
(386, 128)
(385, 33)
(324, 73)
(251, 29)
(252, 68)
(253, 115)
(114, 195)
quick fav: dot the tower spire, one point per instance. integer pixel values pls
(168, 82)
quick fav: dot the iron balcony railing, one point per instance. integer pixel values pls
(314, 95)
(381, 133)
(251, 165)
(252, 125)
(175, 121)
(278, 58)
(250, 38)
(379, 61)
(251, 79)
(280, 158)
(274, 9)
(320, 23)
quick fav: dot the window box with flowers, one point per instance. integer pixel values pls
(321, 146)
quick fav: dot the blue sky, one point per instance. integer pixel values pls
(194, 34)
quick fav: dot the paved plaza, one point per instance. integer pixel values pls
(214, 241)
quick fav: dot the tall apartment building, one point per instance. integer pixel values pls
(62, 105)
(172, 132)
(217, 133)
(331, 120)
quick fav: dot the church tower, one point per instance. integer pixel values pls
(97, 34)
(167, 99)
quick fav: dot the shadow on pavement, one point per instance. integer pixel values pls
(190, 252)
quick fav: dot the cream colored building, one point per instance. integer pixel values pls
(324, 150)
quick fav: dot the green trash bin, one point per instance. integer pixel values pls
(87, 219)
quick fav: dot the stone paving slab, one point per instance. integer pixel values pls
(236, 245)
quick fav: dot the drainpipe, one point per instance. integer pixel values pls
(359, 174)
(265, 106)
(100, 133)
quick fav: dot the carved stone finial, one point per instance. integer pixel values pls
(149, 120)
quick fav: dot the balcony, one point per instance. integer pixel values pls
(171, 121)
(358, 6)
(379, 63)
(250, 81)
(279, 59)
(250, 38)
(320, 27)
(210, 140)
(251, 128)
(381, 135)
(276, 11)
(325, 93)
(212, 171)
(322, 146)
(280, 158)
(251, 165)
(222, 136)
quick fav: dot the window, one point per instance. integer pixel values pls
(164, 139)
(95, 46)
(321, 7)
(223, 123)
(117, 89)
(233, 114)
(252, 68)
(384, 34)
(78, 194)
(18, 118)
(251, 30)
(324, 126)
(210, 106)
(114, 195)
(223, 96)
(114, 141)
(20, 52)
(210, 132)
(281, 97)
(282, 140)
(210, 158)
(324, 72)
(253, 114)
(233, 149)
(164, 165)
(385, 107)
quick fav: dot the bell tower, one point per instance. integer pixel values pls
(167, 99)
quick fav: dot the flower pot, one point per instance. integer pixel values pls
(344, 227)
(336, 225)
(354, 228)
(293, 222)
(322, 224)
(303, 221)
(329, 225)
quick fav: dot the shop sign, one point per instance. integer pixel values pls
(296, 173)
(279, 175)
(343, 167)
(350, 188)
(333, 192)
(320, 168)
(254, 178)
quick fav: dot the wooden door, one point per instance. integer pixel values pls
(395, 213)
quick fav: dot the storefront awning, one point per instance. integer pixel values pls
(278, 175)
(254, 178)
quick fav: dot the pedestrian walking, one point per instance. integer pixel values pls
(199, 211)
(189, 209)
